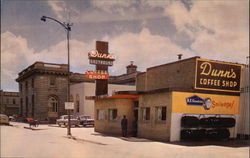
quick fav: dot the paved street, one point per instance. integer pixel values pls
(51, 141)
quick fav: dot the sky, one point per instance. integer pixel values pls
(148, 32)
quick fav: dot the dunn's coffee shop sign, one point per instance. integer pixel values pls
(219, 76)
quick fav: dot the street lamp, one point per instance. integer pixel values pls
(67, 27)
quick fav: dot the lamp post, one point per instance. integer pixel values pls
(67, 27)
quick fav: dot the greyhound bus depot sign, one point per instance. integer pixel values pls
(213, 75)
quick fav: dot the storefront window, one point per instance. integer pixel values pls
(100, 114)
(145, 113)
(112, 114)
(161, 113)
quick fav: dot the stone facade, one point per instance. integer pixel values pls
(43, 90)
(9, 103)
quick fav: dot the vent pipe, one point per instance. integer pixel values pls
(179, 56)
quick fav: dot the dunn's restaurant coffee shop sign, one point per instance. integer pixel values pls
(219, 76)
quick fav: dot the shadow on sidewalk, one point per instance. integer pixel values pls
(129, 139)
(83, 140)
(234, 143)
(35, 129)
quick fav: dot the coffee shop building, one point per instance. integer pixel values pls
(185, 99)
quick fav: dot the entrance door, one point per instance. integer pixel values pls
(134, 123)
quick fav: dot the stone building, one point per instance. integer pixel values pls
(9, 103)
(43, 90)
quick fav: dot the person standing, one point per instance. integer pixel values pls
(124, 124)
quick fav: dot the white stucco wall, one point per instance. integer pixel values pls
(88, 89)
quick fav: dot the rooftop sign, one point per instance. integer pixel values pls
(218, 76)
(97, 75)
(94, 54)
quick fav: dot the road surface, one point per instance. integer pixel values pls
(51, 141)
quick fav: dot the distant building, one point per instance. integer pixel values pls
(9, 103)
(80, 91)
(243, 124)
(81, 87)
(43, 90)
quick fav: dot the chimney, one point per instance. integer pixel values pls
(179, 56)
(131, 68)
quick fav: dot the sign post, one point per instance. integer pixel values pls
(69, 106)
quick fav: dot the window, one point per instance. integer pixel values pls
(146, 113)
(20, 87)
(52, 104)
(161, 113)
(26, 85)
(52, 81)
(71, 98)
(100, 114)
(77, 103)
(21, 106)
(32, 82)
(33, 106)
(112, 114)
(7, 101)
(14, 101)
(26, 108)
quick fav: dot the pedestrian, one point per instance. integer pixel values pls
(124, 124)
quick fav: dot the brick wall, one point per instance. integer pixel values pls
(179, 74)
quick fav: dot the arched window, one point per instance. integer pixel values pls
(71, 98)
(52, 104)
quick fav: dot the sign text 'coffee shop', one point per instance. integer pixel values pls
(220, 76)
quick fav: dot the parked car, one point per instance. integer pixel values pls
(63, 120)
(86, 120)
(4, 119)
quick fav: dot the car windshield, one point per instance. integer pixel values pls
(85, 117)
(71, 117)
